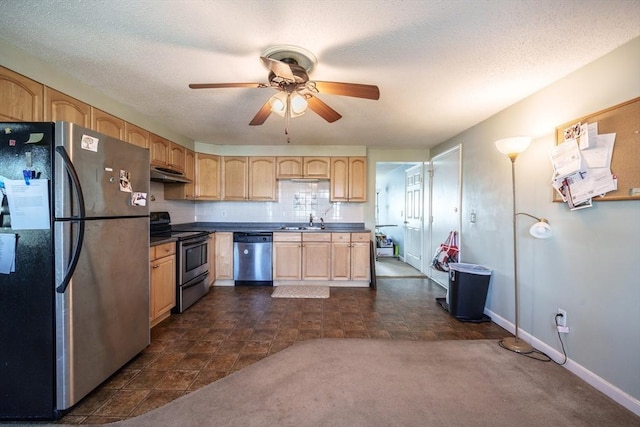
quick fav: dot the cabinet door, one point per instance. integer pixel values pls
(21, 98)
(262, 178)
(59, 106)
(163, 287)
(341, 260)
(234, 178)
(208, 175)
(177, 157)
(136, 135)
(190, 172)
(360, 261)
(107, 124)
(316, 261)
(289, 167)
(317, 167)
(174, 191)
(224, 256)
(287, 261)
(357, 179)
(339, 187)
(160, 150)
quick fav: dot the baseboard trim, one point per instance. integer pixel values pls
(600, 384)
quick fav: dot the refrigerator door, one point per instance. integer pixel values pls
(103, 315)
(27, 356)
(109, 172)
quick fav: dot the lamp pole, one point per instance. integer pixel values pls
(514, 343)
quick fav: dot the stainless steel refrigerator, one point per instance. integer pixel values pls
(74, 264)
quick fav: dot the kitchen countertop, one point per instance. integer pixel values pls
(344, 227)
(155, 241)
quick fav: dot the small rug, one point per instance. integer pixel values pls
(301, 291)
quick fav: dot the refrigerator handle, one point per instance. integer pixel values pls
(79, 219)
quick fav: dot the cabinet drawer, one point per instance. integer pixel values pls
(287, 237)
(340, 237)
(316, 237)
(162, 250)
(360, 237)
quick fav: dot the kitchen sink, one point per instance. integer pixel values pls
(300, 228)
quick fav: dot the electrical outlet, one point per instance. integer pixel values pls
(562, 320)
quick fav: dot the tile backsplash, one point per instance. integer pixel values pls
(296, 201)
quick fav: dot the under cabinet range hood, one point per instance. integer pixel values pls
(161, 174)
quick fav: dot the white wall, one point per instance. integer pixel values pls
(591, 266)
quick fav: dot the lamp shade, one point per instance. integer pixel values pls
(278, 103)
(298, 104)
(514, 145)
(541, 229)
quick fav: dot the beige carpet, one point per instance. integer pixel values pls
(391, 267)
(356, 382)
(301, 291)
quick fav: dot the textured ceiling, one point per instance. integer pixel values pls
(441, 66)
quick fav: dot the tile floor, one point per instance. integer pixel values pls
(233, 327)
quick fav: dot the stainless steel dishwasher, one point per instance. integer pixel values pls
(252, 257)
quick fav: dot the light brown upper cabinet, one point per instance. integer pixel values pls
(303, 167)
(184, 191)
(136, 135)
(316, 167)
(21, 98)
(160, 150)
(107, 124)
(59, 106)
(208, 175)
(166, 154)
(262, 178)
(177, 157)
(234, 178)
(348, 179)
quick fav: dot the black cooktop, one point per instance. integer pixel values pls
(160, 226)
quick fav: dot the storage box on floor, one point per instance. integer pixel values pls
(467, 295)
(384, 245)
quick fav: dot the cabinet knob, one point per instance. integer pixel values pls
(155, 266)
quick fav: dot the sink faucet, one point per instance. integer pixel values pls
(310, 220)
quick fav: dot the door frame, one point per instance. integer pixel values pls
(434, 241)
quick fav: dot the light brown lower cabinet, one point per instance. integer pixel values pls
(162, 283)
(321, 257)
(316, 256)
(224, 256)
(212, 258)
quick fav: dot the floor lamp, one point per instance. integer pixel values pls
(541, 230)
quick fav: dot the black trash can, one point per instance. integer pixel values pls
(468, 287)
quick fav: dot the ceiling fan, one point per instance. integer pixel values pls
(289, 68)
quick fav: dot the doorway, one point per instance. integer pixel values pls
(399, 219)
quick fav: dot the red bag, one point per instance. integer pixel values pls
(446, 253)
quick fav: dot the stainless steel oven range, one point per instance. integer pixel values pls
(192, 260)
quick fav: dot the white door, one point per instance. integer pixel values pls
(413, 217)
(445, 203)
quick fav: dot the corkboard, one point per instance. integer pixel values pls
(623, 120)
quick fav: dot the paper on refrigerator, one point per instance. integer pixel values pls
(28, 204)
(7, 253)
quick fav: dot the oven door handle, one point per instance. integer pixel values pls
(191, 243)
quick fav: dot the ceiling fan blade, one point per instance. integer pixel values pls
(278, 68)
(262, 115)
(224, 85)
(349, 89)
(323, 110)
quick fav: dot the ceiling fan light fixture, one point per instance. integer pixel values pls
(298, 104)
(278, 103)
